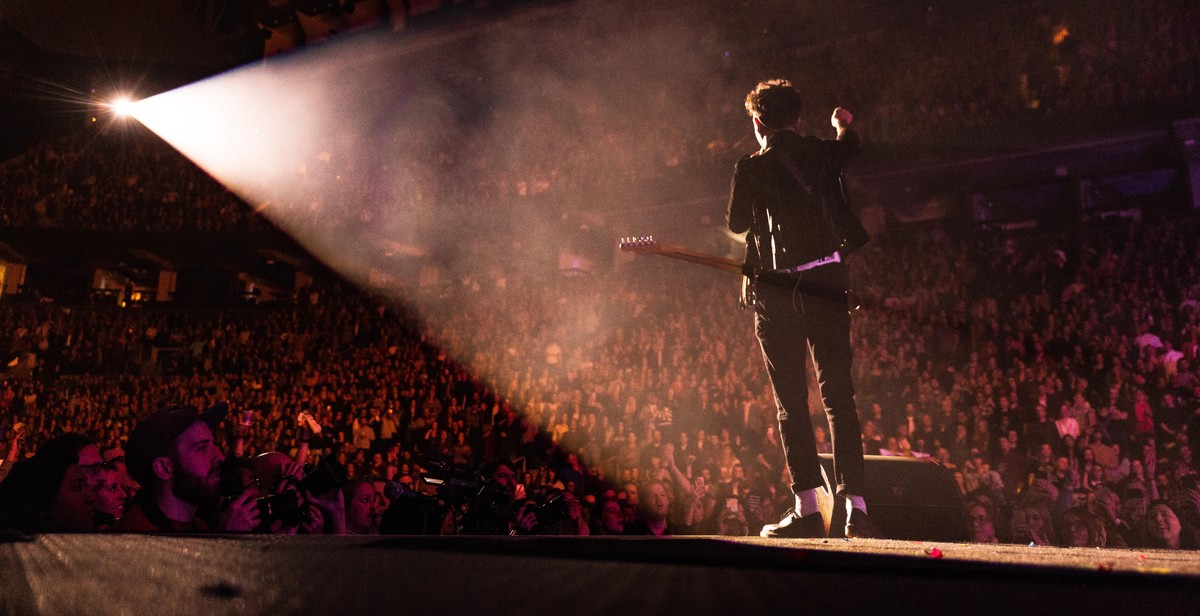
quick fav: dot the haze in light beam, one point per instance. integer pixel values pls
(467, 163)
(375, 140)
(252, 129)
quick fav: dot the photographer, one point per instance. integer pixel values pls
(293, 501)
(172, 455)
(489, 502)
(415, 510)
(554, 512)
(487, 499)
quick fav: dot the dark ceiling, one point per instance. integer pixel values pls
(200, 33)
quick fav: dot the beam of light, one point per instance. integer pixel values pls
(349, 147)
(318, 141)
(246, 129)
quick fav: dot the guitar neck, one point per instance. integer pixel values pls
(691, 256)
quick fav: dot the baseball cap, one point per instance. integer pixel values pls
(154, 435)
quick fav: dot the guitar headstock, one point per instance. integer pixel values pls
(642, 245)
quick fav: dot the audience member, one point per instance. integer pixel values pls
(364, 509)
(173, 455)
(607, 518)
(1163, 530)
(980, 522)
(1079, 528)
(656, 511)
(55, 490)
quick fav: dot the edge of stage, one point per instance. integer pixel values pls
(250, 574)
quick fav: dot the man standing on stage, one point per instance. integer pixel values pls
(790, 199)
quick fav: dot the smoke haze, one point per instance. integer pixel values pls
(486, 163)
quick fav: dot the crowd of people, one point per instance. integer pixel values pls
(1060, 389)
(1048, 381)
(1057, 380)
(115, 182)
(911, 80)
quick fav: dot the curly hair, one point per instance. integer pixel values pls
(775, 102)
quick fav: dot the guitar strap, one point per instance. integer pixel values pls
(816, 192)
(751, 281)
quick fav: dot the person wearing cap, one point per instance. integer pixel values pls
(172, 454)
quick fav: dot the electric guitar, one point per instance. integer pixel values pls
(647, 245)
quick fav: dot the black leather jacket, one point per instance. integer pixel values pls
(792, 200)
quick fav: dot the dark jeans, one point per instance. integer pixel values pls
(804, 315)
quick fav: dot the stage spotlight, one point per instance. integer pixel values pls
(122, 106)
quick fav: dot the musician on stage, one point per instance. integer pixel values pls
(790, 201)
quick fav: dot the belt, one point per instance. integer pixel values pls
(833, 258)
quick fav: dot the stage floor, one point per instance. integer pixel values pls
(1154, 562)
(132, 574)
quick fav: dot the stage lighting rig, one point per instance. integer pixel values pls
(114, 108)
(121, 106)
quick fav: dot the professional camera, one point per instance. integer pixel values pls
(454, 483)
(326, 476)
(552, 509)
(288, 506)
(488, 506)
(411, 512)
(284, 507)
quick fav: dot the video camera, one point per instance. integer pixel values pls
(489, 506)
(455, 484)
(549, 511)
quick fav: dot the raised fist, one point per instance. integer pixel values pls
(841, 118)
